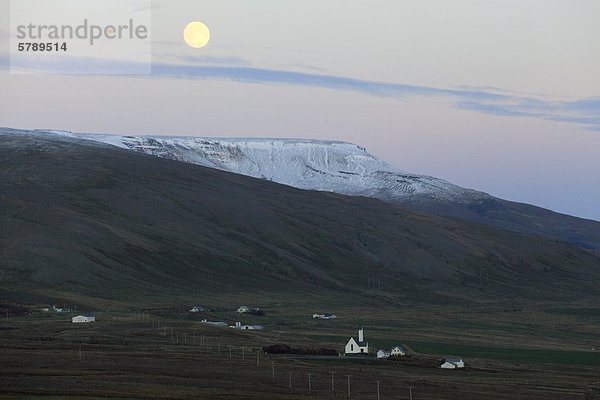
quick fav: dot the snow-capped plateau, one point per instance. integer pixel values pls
(332, 166)
(348, 169)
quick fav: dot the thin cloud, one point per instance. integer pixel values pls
(585, 111)
(492, 101)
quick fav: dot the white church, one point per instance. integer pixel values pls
(357, 346)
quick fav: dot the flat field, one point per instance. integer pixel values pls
(517, 352)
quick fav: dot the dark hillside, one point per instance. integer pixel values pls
(92, 219)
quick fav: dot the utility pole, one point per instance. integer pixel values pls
(273, 368)
(309, 386)
(410, 392)
(290, 373)
(230, 352)
(332, 382)
(378, 382)
(348, 376)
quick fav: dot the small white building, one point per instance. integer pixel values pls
(214, 323)
(324, 316)
(83, 319)
(453, 363)
(397, 351)
(383, 354)
(243, 310)
(357, 346)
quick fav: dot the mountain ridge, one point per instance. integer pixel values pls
(347, 168)
(101, 222)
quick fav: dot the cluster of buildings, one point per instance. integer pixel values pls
(252, 311)
(354, 346)
(55, 309)
(359, 346)
(237, 325)
(394, 352)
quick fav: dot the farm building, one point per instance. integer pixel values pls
(214, 323)
(357, 346)
(243, 309)
(238, 325)
(83, 319)
(398, 351)
(383, 353)
(324, 316)
(453, 363)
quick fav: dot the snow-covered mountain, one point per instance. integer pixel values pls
(338, 167)
(349, 169)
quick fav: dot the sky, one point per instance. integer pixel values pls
(500, 96)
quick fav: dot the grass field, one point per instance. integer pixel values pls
(170, 355)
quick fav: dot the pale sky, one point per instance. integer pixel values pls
(501, 96)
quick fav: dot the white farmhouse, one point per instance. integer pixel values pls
(83, 319)
(453, 363)
(357, 346)
(383, 353)
(397, 351)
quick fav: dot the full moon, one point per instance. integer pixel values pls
(196, 34)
